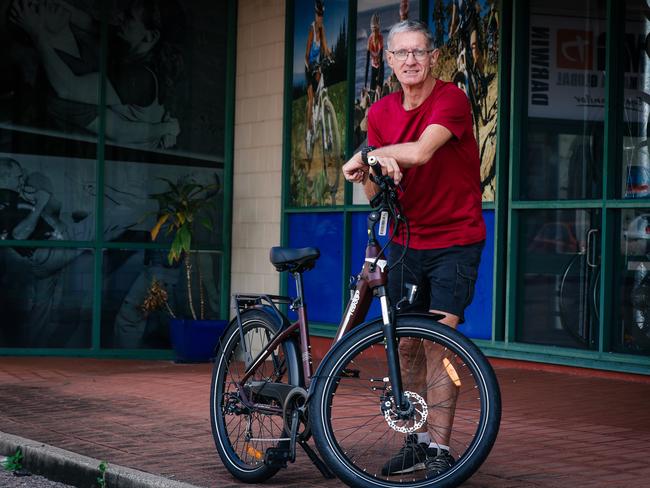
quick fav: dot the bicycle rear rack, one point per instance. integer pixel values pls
(243, 301)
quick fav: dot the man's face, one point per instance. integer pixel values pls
(411, 71)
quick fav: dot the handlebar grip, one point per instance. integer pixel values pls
(373, 162)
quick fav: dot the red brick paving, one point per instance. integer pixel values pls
(560, 428)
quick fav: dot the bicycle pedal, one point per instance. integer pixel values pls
(350, 373)
(277, 457)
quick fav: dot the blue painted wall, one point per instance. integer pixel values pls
(478, 317)
(323, 283)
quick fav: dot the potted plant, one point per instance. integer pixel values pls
(182, 206)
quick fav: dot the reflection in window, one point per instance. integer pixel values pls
(562, 157)
(130, 207)
(635, 173)
(558, 297)
(632, 329)
(128, 276)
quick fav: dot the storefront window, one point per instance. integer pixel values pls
(562, 159)
(635, 170)
(631, 332)
(128, 276)
(559, 271)
(162, 122)
(45, 301)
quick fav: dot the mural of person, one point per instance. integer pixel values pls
(315, 52)
(465, 25)
(144, 64)
(375, 58)
(28, 210)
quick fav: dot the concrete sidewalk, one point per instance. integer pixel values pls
(561, 427)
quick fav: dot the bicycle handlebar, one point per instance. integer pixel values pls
(387, 195)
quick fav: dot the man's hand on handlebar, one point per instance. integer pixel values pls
(356, 171)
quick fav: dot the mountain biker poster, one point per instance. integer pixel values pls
(320, 45)
(372, 77)
(467, 34)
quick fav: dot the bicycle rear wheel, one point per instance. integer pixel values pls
(353, 418)
(243, 434)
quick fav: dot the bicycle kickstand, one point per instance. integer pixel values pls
(295, 437)
(324, 470)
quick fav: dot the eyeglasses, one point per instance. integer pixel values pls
(419, 54)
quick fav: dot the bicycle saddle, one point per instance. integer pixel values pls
(295, 260)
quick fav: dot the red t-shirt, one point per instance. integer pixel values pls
(441, 198)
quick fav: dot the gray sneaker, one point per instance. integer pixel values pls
(409, 458)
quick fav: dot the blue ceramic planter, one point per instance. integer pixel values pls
(194, 341)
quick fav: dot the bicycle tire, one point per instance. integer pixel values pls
(244, 459)
(579, 310)
(331, 144)
(342, 403)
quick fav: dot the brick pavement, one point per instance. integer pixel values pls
(564, 428)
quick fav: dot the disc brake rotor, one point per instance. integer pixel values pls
(416, 420)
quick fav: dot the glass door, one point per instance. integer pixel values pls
(557, 189)
(580, 181)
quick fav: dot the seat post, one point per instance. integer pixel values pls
(297, 275)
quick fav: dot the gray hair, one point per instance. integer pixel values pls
(411, 26)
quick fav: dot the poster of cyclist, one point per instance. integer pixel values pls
(467, 33)
(373, 78)
(318, 102)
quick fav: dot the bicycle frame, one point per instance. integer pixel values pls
(371, 281)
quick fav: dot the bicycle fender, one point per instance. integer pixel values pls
(291, 349)
(377, 320)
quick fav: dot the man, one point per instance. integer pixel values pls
(423, 138)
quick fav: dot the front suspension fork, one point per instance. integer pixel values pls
(392, 351)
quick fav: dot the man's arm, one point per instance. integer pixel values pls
(66, 84)
(396, 157)
(119, 129)
(26, 227)
(323, 40)
(409, 154)
(310, 38)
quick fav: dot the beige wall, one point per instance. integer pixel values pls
(258, 144)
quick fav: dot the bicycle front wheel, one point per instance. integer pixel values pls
(242, 434)
(447, 380)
